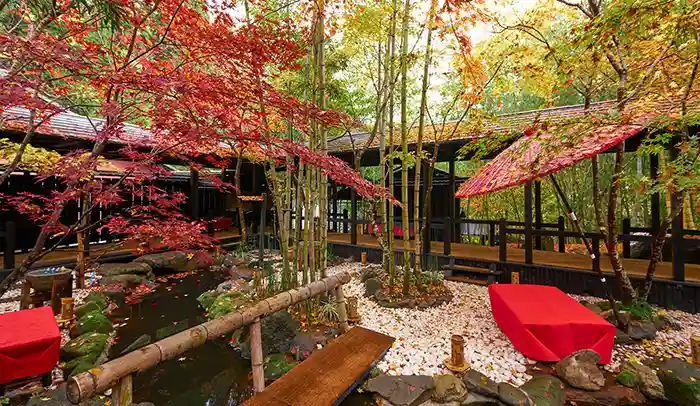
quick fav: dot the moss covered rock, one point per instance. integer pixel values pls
(98, 298)
(92, 322)
(627, 378)
(207, 299)
(277, 365)
(128, 280)
(86, 308)
(278, 332)
(681, 382)
(90, 344)
(545, 390)
(133, 268)
(80, 364)
(172, 261)
(227, 303)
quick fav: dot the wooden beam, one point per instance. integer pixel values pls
(655, 198)
(193, 198)
(353, 217)
(538, 213)
(677, 243)
(528, 222)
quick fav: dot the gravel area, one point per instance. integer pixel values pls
(423, 336)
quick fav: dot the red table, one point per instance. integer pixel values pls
(30, 343)
(546, 324)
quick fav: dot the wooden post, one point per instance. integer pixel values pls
(561, 227)
(456, 362)
(353, 217)
(24, 298)
(84, 238)
(677, 243)
(122, 393)
(447, 236)
(502, 241)
(626, 231)
(538, 213)
(492, 234)
(353, 314)
(256, 356)
(345, 220)
(334, 207)
(655, 199)
(695, 349)
(10, 245)
(515, 278)
(427, 212)
(528, 223)
(194, 194)
(453, 203)
(261, 229)
(342, 311)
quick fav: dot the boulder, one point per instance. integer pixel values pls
(207, 298)
(622, 338)
(477, 382)
(592, 307)
(640, 329)
(239, 273)
(448, 388)
(172, 261)
(227, 303)
(368, 273)
(80, 364)
(400, 390)
(475, 399)
(276, 365)
(237, 285)
(545, 390)
(372, 286)
(92, 322)
(127, 280)
(98, 298)
(681, 382)
(143, 340)
(278, 333)
(512, 396)
(580, 370)
(614, 395)
(133, 268)
(198, 260)
(645, 379)
(58, 397)
(87, 344)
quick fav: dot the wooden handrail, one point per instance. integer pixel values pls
(117, 372)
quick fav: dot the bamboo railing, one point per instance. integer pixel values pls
(117, 373)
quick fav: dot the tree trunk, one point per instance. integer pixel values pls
(390, 164)
(239, 202)
(419, 146)
(404, 150)
(623, 280)
(84, 240)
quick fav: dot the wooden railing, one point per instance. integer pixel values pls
(117, 373)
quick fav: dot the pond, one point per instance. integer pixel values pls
(212, 374)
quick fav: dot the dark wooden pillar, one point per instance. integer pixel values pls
(561, 227)
(194, 194)
(538, 213)
(677, 243)
(454, 205)
(10, 238)
(427, 209)
(261, 248)
(528, 223)
(626, 243)
(353, 217)
(655, 198)
(502, 241)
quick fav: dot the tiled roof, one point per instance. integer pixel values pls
(511, 122)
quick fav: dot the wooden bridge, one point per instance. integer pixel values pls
(328, 375)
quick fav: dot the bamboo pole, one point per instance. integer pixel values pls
(122, 394)
(107, 375)
(342, 311)
(256, 356)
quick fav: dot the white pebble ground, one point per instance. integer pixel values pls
(423, 336)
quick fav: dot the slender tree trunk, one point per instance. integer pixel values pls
(323, 179)
(83, 240)
(404, 150)
(390, 164)
(239, 202)
(279, 192)
(419, 146)
(623, 280)
(383, 72)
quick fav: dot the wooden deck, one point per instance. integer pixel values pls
(328, 375)
(558, 259)
(97, 251)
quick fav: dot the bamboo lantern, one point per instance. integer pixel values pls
(353, 314)
(66, 308)
(515, 278)
(456, 362)
(364, 257)
(695, 349)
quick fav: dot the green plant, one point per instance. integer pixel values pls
(330, 256)
(640, 310)
(329, 312)
(242, 249)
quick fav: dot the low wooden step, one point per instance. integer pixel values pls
(466, 279)
(471, 270)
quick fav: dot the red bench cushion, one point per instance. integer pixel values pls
(30, 343)
(546, 324)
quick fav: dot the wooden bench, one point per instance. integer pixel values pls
(470, 274)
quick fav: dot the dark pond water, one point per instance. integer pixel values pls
(210, 375)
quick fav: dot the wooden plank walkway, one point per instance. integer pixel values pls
(559, 259)
(328, 375)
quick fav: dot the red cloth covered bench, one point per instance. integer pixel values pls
(30, 343)
(546, 324)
